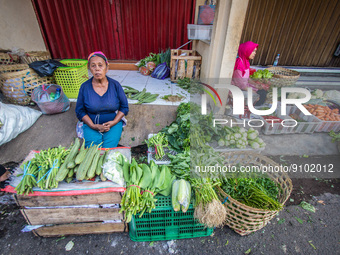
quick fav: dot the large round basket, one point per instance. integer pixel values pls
(245, 219)
(283, 77)
(33, 56)
(8, 59)
(18, 86)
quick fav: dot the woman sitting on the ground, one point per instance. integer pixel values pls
(101, 105)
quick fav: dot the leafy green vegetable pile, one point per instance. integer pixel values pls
(261, 193)
(262, 74)
(143, 183)
(190, 85)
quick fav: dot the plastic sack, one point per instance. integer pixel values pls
(112, 167)
(45, 67)
(16, 119)
(41, 96)
(161, 71)
(80, 130)
(333, 95)
(181, 195)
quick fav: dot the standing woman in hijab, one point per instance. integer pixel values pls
(246, 52)
(101, 105)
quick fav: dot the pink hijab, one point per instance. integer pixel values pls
(244, 52)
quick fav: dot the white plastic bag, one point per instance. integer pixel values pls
(16, 119)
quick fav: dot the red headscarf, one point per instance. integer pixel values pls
(244, 52)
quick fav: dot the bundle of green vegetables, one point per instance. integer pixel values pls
(261, 193)
(239, 138)
(335, 136)
(49, 162)
(208, 208)
(159, 142)
(181, 195)
(262, 74)
(143, 183)
(179, 131)
(41, 170)
(143, 97)
(153, 57)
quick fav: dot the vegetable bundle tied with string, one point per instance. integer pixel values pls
(208, 208)
(158, 141)
(143, 183)
(42, 170)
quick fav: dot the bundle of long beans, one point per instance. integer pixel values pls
(41, 170)
(28, 181)
(158, 142)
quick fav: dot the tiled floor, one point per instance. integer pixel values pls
(162, 87)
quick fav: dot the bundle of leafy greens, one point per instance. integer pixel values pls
(262, 74)
(178, 132)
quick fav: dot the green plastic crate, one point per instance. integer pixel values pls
(163, 223)
(71, 77)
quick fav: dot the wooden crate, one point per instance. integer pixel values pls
(67, 215)
(185, 66)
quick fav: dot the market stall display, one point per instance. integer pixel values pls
(58, 208)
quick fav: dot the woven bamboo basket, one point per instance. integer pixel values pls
(245, 219)
(8, 59)
(283, 77)
(12, 68)
(33, 56)
(18, 86)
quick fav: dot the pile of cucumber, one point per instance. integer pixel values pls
(85, 163)
(142, 96)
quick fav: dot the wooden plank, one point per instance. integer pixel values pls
(300, 49)
(288, 36)
(198, 69)
(190, 69)
(91, 199)
(25, 216)
(80, 229)
(266, 36)
(123, 66)
(314, 33)
(180, 69)
(172, 69)
(71, 215)
(330, 37)
(187, 57)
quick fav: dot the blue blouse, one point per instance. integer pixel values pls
(103, 108)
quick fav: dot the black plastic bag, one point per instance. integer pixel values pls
(161, 71)
(45, 67)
